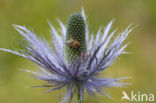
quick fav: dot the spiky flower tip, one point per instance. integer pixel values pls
(78, 74)
(75, 43)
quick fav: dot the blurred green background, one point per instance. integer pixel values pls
(140, 64)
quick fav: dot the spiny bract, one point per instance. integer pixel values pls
(93, 55)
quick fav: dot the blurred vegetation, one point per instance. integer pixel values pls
(140, 64)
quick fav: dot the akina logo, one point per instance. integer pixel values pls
(137, 97)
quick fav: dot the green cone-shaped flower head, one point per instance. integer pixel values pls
(75, 43)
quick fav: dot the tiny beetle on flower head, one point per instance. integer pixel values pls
(73, 43)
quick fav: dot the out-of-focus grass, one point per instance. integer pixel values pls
(140, 65)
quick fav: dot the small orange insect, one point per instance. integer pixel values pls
(73, 43)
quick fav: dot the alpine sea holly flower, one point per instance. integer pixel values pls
(76, 58)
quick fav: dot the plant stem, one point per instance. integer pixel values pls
(79, 96)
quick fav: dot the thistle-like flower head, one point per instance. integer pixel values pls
(76, 58)
(75, 37)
